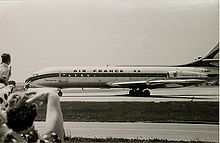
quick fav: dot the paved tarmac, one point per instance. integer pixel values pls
(169, 131)
(157, 95)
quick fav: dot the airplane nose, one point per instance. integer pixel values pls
(31, 78)
(27, 85)
(28, 80)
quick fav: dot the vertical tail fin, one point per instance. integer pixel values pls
(212, 53)
(211, 59)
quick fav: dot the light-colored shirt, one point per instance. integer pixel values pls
(5, 71)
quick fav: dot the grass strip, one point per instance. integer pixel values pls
(122, 140)
(190, 112)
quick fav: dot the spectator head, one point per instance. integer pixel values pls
(21, 115)
(6, 58)
(12, 82)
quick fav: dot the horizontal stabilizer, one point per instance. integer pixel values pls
(210, 60)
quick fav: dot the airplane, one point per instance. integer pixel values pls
(139, 79)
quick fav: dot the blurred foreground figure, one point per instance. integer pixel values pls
(16, 121)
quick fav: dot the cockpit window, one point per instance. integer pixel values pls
(35, 74)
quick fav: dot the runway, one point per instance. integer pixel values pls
(169, 131)
(157, 95)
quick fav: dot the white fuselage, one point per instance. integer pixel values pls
(102, 76)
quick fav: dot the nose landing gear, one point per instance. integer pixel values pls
(60, 93)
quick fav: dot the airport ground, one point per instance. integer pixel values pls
(137, 132)
(157, 95)
(163, 112)
(191, 112)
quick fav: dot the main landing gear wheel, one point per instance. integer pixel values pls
(146, 92)
(139, 92)
(132, 92)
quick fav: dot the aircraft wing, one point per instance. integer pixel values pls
(156, 83)
(128, 84)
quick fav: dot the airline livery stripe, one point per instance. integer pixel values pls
(97, 75)
(113, 74)
(42, 76)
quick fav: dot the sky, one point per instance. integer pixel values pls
(45, 33)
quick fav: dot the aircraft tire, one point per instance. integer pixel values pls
(60, 93)
(132, 92)
(146, 93)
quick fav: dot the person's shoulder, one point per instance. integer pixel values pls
(3, 65)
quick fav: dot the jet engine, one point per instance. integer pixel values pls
(186, 74)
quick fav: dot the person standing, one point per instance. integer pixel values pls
(5, 69)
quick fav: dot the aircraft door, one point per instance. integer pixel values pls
(63, 77)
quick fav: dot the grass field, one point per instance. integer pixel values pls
(121, 140)
(192, 112)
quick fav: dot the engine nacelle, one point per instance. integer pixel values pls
(186, 74)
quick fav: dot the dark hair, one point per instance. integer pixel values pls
(3, 81)
(5, 57)
(12, 82)
(21, 116)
